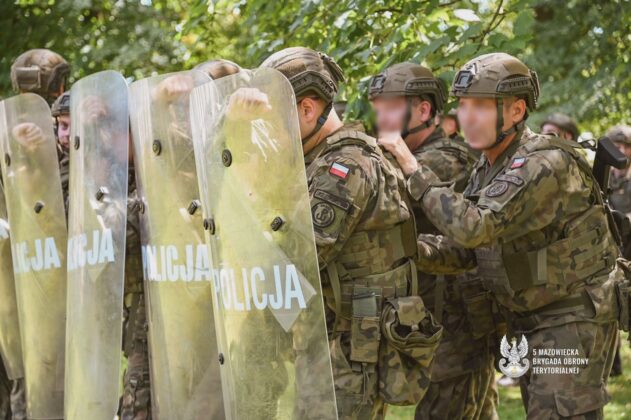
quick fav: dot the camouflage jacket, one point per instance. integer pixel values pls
(133, 258)
(356, 203)
(450, 161)
(64, 173)
(533, 222)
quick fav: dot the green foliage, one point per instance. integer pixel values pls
(578, 47)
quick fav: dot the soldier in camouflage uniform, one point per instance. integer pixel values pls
(532, 219)
(61, 113)
(561, 125)
(365, 240)
(136, 399)
(406, 98)
(620, 181)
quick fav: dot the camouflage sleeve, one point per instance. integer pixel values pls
(440, 255)
(447, 166)
(340, 190)
(526, 197)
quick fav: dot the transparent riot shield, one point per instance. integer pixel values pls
(10, 347)
(185, 380)
(32, 188)
(269, 310)
(96, 244)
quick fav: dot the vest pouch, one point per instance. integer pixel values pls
(410, 339)
(365, 331)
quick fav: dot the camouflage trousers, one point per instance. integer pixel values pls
(356, 385)
(571, 396)
(471, 396)
(136, 400)
(12, 397)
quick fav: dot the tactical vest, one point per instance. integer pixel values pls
(584, 254)
(363, 267)
(374, 285)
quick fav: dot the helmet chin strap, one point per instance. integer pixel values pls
(406, 122)
(501, 135)
(321, 120)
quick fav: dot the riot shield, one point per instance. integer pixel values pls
(267, 297)
(37, 218)
(10, 348)
(185, 380)
(96, 244)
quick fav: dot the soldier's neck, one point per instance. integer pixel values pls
(495, 152)
(332, 124)
(416, 140)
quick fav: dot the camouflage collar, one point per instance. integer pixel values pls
(315, 152)
(491, 171)
(436, 135)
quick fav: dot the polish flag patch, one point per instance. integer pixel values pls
(518, 163)
(339, 171)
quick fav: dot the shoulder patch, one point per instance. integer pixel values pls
(339, 170)
(332, 199)
(513, 179)
(496, 189)
(322, 214)
(518, 162)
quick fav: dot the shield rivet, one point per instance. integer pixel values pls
(38, 207)
(209, 225)
(102, 192)
(221, 359)
(192, 208)
(277, 223)
(226, 157)
(7, 159)
(156, 147)
(77, 142)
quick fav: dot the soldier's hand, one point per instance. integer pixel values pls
(247, 104)
(28, 134)
(173, 87)
(94, 109)
(393, 143)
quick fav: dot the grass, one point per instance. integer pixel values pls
(511, 407)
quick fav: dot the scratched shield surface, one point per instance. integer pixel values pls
(37, 218)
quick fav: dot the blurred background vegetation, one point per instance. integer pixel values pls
(579, 48)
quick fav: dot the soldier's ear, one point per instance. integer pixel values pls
(518, 110)
(426, 109)
(308, 109)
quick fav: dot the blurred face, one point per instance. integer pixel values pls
(552, 129)
(63, 131)
(624, 148)
(478, 119)
(389, 113)
(449, 125)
